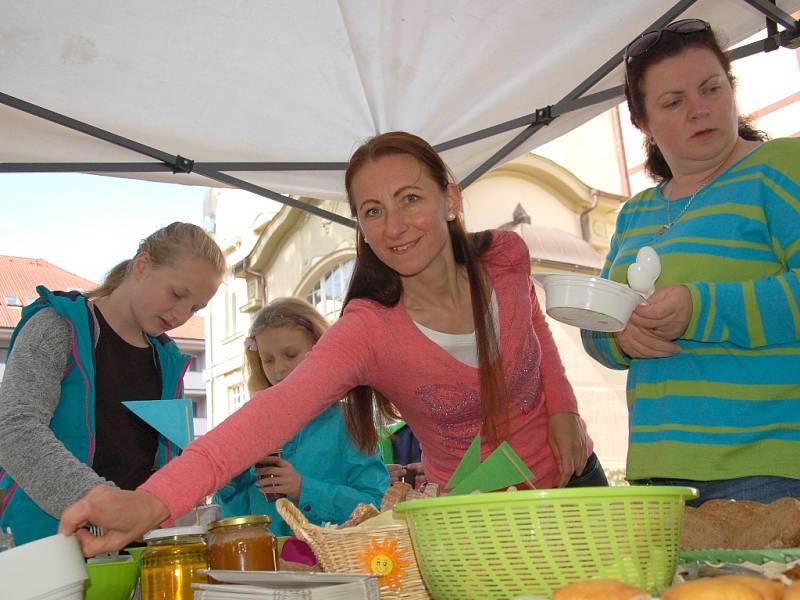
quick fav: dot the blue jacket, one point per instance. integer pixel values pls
(73, 420)
(336, 477)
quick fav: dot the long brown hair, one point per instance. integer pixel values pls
(166, 246)
(372, 279)
(671, 44)
(291, 312)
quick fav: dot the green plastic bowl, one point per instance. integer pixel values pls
(532, 542)
(136, 552)
(111, 580)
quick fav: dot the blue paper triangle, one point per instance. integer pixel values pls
(171, 418)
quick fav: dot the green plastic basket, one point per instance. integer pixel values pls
(507, 544)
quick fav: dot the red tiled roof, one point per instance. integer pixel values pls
(19, 277)
(193, 329)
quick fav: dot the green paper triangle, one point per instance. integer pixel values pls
(502, 468)
(171, 418)
(469, 462)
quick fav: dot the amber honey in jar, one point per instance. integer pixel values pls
(172, 561)
(242, 544)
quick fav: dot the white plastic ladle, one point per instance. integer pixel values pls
(643, 273)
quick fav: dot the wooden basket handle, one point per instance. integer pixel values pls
(301, 527)
(294, 517)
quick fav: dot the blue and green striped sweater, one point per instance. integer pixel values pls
(729, 404)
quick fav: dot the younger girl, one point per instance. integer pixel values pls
(321, 470)
(74, 358)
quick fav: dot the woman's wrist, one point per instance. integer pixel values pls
(155, 511)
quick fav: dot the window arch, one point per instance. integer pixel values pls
(328, 293)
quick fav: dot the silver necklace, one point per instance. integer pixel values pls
(670, 221)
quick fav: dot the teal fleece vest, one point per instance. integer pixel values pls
(73, 420)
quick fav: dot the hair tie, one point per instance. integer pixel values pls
(302, 321)
(250, 344)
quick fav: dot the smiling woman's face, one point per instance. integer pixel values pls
(690, 109)
(402, 212)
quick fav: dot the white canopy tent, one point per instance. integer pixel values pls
(274, 95)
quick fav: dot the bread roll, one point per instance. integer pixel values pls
(600, 589)
(713, 588)
(769, 590)
(792, 592)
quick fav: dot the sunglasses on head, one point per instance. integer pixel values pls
(649, 39)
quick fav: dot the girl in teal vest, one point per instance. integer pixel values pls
(321, 469)
(74, 358)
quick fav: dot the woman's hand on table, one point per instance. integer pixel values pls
(396, 472)
(568, 443)
(123, 516)
(412, 472)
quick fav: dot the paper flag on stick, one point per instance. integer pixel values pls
(469, 462)
(502, 468)
(171, 418)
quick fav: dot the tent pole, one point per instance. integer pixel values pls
(774, 13)
(575, 94)
(147, 167)
(175, 163)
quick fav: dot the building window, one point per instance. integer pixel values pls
(235, 298)
(13, 301)
(236, 397)
(328, 294)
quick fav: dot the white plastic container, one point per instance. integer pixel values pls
(587, 301)
(50, 568)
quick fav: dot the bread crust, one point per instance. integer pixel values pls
(714, 588)
(742, 525)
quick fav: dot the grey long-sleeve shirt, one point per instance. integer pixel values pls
(29, 393)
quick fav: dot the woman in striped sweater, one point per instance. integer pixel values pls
(713, 358)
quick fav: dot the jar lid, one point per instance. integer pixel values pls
(157, 534)
(243, 520)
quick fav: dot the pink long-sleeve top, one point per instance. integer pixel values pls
(437, 395)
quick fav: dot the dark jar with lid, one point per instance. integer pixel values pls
(242, 544)
(172, 562)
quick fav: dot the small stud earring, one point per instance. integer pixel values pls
(451, 216)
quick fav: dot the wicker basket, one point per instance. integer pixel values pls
(385, 551)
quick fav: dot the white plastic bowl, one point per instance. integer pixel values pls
(50, 568)
(587, 301)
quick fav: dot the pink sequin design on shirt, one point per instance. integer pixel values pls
(454, 409)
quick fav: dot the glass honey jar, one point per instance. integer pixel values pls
(172, 561)
(242, 544)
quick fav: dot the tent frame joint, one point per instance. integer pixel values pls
(543, 116)
(182, 165)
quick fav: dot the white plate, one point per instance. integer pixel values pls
(285, 579)
(587, 301)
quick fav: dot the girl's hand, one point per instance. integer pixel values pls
(123, 516)
(568, 443)
(281, 477)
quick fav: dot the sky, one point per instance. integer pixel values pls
(86, 224)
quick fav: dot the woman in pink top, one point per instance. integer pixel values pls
(420, 285)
